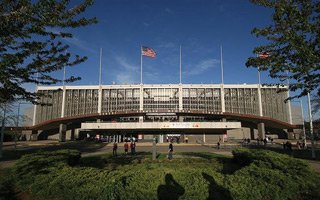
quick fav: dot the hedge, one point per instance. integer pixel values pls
(269, 175)
(255, 174)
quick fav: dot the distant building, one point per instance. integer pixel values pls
(201, 111)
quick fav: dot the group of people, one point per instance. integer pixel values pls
(126, 148)
(300, 145)
(246, 141)
(264, 141)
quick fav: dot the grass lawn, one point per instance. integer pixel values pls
(251, 174)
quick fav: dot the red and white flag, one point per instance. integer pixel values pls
(147, 51)
(263, 55)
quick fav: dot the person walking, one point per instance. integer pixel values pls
(126, 147)
(170, 151)
(133, 148)
(114, 149)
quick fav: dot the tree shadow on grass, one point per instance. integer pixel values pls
(94, 161)
(171, 190)
(82, 146)
(229, 166)
(100, 162)
(207, 156)
(216, 191)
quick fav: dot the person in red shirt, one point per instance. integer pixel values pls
(126, 147)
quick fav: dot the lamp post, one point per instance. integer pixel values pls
(303, 127)
(2, 128)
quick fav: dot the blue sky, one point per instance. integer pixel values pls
(199, 26)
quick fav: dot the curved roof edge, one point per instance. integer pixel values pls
(269, 122)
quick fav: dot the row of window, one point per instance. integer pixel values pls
(237, 100)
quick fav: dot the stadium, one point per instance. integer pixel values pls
(199, 112)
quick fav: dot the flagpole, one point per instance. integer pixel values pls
(259, 92)
(313, 155)
(141, 65)
(64, 75)
(259, 76)
(221, 63)
(180, 67)
(100, 72)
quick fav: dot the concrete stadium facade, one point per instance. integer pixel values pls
(162, 108)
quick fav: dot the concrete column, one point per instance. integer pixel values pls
(180, 97)
(100, 99)
(63, 101)
(204, 138)
(62, 132)
(261, 131)
(34, 135)
(180, 119)
(223, 104)
(291, 135)
(260, 101)
(34, 115)
(34, 111)
(76, 133)
(252, 133)
(72, 135)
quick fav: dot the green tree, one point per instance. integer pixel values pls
(31, 43)
(293, 44)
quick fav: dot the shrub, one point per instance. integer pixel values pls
(263, 175)
(28, 166)
(269, 175)
(6, 185)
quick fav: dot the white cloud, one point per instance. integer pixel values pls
(168, 45)
(202, 67)
(124, 78)
(145, 24)
(127, 73)
(80, 44)
(168, 10)
(222, 8)
(74, 41)
(151, 76)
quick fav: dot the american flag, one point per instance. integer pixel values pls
(263, 55)
(147, 51)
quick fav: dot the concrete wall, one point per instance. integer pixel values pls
(241, 133)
